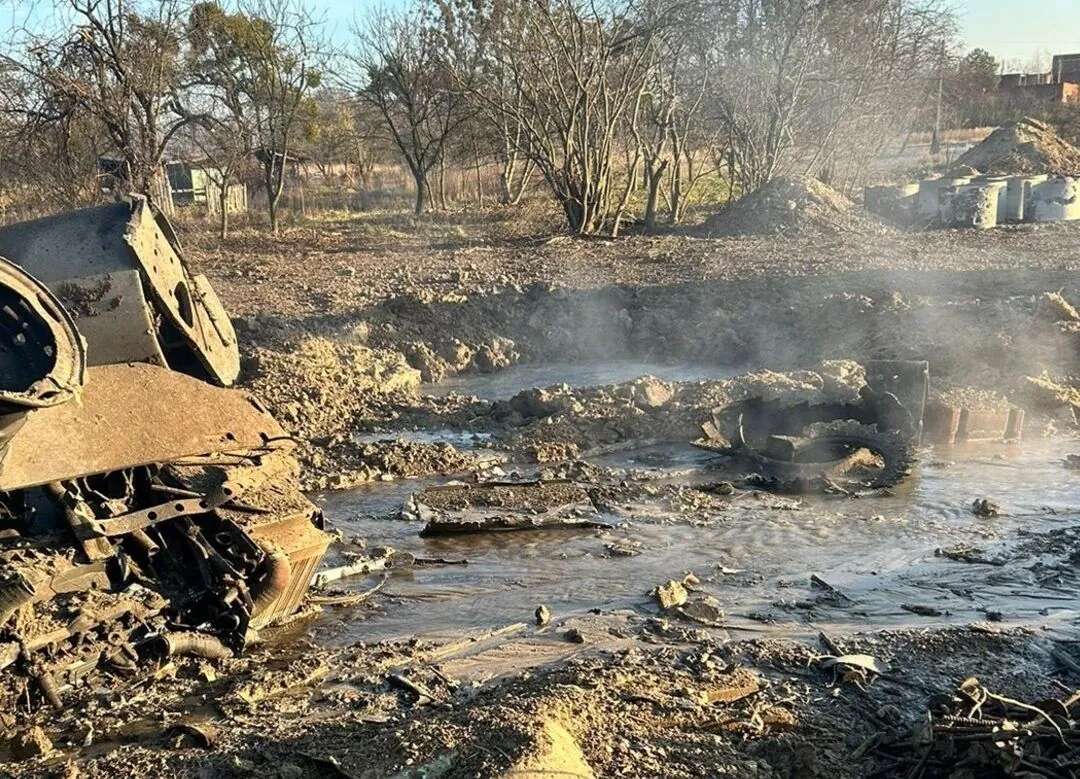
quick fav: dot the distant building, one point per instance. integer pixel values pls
(199, 184)
(1066, 68)
(1060, 85)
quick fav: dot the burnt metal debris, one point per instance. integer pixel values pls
(977, 732)
(145, 509)
(866, 444)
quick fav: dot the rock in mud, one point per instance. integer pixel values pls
(31, 742)
(705, 610)
(495, 356)
(542, 615)
(986, 508)
(670, 594)
(423, 358)
(650, 392)
(574, 636)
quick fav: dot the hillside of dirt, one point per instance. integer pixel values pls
(1026, 146)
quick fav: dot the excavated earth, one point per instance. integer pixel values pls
(402, 355)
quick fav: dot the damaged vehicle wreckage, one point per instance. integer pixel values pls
(868, 442)
(148, 509)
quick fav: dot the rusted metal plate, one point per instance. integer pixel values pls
(946, 425)
(42, 356)
(124, 236)
(304, 545)
(133, 415)
(220, 345)
(114, 316)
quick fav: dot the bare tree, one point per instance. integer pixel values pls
(570, 75)
(814, 86)
(219, 84)
(674, 90)
(404, 74)
(120, 66)
(263, 64)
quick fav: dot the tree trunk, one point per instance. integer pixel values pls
(274, 178)
(420, 180)
(223, 204)
(506, 177)
(653, 177)
(479, 180)
(442, 184)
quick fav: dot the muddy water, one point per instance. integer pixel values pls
(757, 555)
(509, 382)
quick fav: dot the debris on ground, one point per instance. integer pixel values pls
(454, 509)
(977, 732)
(148, 513)
(985, 507)
(865, 442)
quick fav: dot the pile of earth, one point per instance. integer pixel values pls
(1026, 146)
(789, 205)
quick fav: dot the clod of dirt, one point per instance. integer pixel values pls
(574, 636)
(553, 751)
(670, 594)
(1026, 146)
(31, 742)
(788, 204)
(542, 615)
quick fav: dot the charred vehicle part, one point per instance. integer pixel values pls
(869, 443)
(143, 511)
(120, 271)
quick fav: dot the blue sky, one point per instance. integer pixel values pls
(1012, 30)
(1009, 29)
(1017, 29)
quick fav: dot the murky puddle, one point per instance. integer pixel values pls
(756, 556)
(509, 382)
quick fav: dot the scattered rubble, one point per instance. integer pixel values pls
(986, 508)
(983, 733)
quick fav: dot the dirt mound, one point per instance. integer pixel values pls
(1026, 146)
(789, 204)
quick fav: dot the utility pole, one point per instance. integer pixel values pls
(935, 140)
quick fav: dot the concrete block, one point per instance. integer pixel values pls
(971, 205)
(1057, 199)
(893, 202)
(1001, 182)
(1019, 205)
(947, 189)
